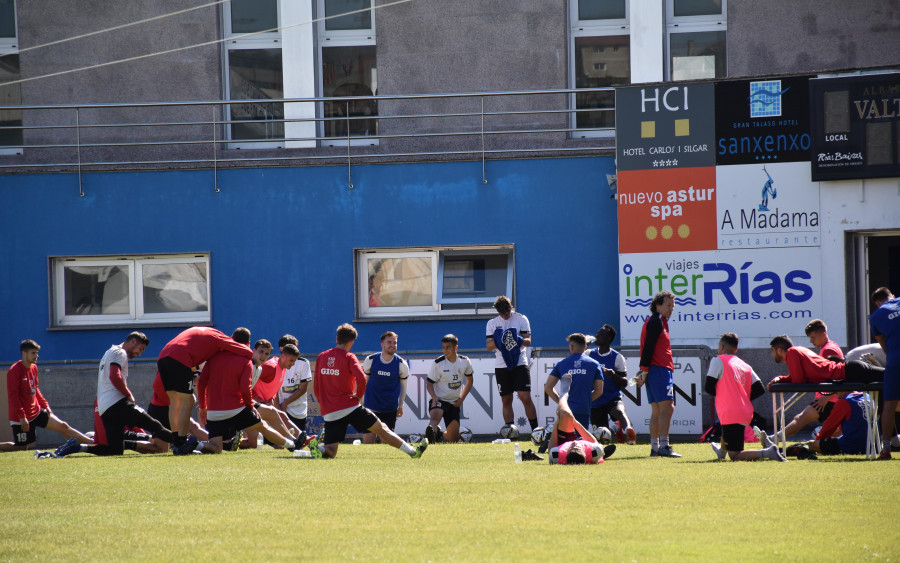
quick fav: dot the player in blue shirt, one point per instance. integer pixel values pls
(387, 375)
(885, 322)
(615, 378)
(584, 376)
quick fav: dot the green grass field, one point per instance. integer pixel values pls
(459, 502)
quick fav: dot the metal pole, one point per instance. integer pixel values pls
(215, 156)
(78, 148)
(349, 175)
(483, 175)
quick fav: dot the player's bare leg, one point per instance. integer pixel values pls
(63, 428)
(507, 402)
(805, 417)
(530, 410)
(451, 434)
(271, 416)
(180, 405)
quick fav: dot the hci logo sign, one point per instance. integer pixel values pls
(762, 121)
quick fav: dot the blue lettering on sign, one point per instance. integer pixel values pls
(766, 286)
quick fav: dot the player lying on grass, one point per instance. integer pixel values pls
(734, 384)
(566, 448)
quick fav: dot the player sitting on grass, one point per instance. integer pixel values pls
(609, 405)
(449, 382)
(566, 448)
(734, 384)
(848, 413)
(340, 385)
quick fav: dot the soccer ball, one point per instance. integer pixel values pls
(510, 431)
(465, 434)
(414, 439)
(538, 435)
(602, 434)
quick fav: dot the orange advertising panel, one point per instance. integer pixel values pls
(667, 210)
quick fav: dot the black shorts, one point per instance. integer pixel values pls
(175, 376)
(298, 422)
(509, 382)
(336, 430)
(160, 413)
(562, 437)
(830, 446)
(389, 418)
(600, 415)
(733, 437)
(228, 428)
(823, 416)
(451, 411)
(24, 438)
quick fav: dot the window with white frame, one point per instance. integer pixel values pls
(98, 291)
(254, 71)
(348, 67)
(427, 282)
(696, 39)
(11, 138)
(601, 57)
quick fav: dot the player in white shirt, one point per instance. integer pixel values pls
(293, 396)
(449, 382)
(509, 337)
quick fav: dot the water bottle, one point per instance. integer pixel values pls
(260, 441)
(518, 453)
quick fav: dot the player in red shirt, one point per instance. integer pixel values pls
(656, 371)
(339, 386)
(226, 404)
(27, 407)
(267, 379)
(176, 362)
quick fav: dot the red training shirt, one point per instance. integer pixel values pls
(198, 344)
(224, 383)
(25, 399)
(340, 382)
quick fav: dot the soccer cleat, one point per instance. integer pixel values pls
(667, 451)
(187, 448)
(654, 453)
(236, 442)
(430, 434)
(313, 446)
(801, 451)
(720, 451)
(420, 448)
(70, 447)
(38, 454)
(630, 436)
(544, 445)
(529, 455)
(885, 454)
(308, 440)
(608, 451)
(772, 453)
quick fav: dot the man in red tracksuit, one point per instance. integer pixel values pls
(176, 362)
(339, 386)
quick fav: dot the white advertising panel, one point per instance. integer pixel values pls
(755, 293)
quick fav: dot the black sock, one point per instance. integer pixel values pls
(130, 445)
(533, 423)
(179, 440)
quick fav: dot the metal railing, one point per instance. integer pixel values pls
(205, 134)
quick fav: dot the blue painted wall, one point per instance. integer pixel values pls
(282, 239)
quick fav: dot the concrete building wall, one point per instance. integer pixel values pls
(772, 37)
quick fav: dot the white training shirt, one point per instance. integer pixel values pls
(449, 377)
(517, 321)
(293, 377)
(107, 395)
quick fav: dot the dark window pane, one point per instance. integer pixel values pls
(10, 95)
(697, 55)
(175, 288)
(350, 71)
(256, 74)
(600, 62)
(359, 20)
(697, 7)
(7, 18)
(248, 16)
(601, 9)
(96, 290)
(478, 278)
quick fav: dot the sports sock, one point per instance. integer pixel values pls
(533, 422)
(654, 444)
(179, 440)
(289, 444)
(664, 441)
(407, 449)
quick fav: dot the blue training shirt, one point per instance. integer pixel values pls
(583, 370)
(610, 389)
(383, 388)
(885, 322)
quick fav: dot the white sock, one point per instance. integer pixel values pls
(654, 444)
(407, 449)
(664, 441)
(289, 444)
